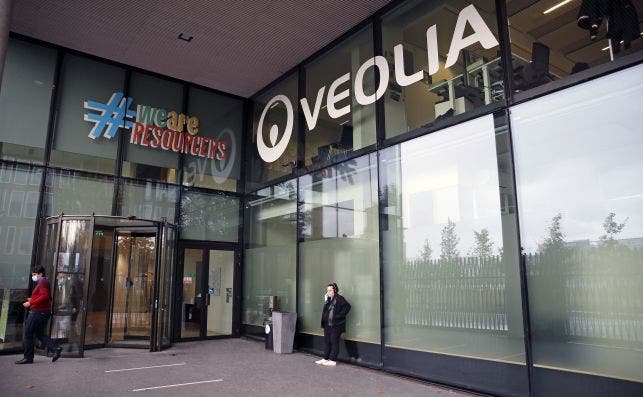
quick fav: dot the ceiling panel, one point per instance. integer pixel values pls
(238, 46)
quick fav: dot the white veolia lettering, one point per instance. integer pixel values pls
(333, 97)
(311, 119)
(400, 75)
(432, 50)
(382, 66)
(481, 33)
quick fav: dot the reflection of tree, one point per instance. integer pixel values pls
(426, 251)
(555, 240)
(483, 245)
(449, 243)
(612, 229)
(583, 291)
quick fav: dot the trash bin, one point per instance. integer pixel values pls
(283, 331)
(268, 327)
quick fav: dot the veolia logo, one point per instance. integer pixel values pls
(270, 154)
(481, 34)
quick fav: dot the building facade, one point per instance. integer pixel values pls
(468, 172)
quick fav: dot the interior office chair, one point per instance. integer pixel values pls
(536, 72)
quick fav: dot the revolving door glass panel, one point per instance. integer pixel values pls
(131, 319)
(68, 286)
(111, 281)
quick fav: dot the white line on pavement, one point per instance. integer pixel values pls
(155, 366)
(180, 384)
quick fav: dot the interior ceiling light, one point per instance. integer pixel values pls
(562, 3)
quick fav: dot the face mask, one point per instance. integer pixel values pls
(35, 278)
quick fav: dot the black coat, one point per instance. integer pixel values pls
(342, 307)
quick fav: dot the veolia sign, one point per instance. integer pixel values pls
(336, 92)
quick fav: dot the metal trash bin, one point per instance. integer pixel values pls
(283, 331)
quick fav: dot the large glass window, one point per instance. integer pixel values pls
(339, 226)
(580, 196)
(74, 193)
(209, 216)
(220, 120)
(451, 274)
(152, 157)
(346, 125)
(148, 200)
(444, 60)
(551, 40)
(19, 192)
(279, 134)
(25, 98)
(271, 251)
(83, 82)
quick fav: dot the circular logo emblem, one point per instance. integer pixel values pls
(270, 154)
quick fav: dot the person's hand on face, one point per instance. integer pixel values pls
(330, 292)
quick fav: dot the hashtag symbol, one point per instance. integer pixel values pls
(113, 115)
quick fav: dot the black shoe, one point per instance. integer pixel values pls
(57, 353)
(24, 361)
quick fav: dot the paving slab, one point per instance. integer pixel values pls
(223, 367)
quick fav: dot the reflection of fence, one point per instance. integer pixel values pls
(588, 293)
(464, 293)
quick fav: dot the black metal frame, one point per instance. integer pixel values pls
(205, 247)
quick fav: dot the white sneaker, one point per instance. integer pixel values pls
(322, 361)
(330, 363)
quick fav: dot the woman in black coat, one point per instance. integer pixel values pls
(333, 321)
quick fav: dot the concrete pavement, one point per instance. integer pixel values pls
(230, 367)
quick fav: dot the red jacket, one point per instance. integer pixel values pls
(41, 296)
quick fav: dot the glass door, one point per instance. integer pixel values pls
(131, 315)
(207, 292)
(163, 298)
(100, 280)
(68, 285)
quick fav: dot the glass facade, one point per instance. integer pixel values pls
(271, 251)
(278, 118)
(19, 191)
(147, 162)
(209, 216)
(437, 78)
(339, 243)
(220, 119)
(550, 41)
(149, 200)
(84, 80)
(384, 163)
(27, 84)
(583, 245)
(450, 250)
(335, 123)
(75, 193)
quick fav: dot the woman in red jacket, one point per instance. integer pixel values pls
(39, 306)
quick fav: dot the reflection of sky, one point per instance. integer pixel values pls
(579, 152)
(451, 174)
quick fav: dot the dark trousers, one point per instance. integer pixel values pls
(36, 325)
(331, 341)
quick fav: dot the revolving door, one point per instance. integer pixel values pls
(111, 280)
